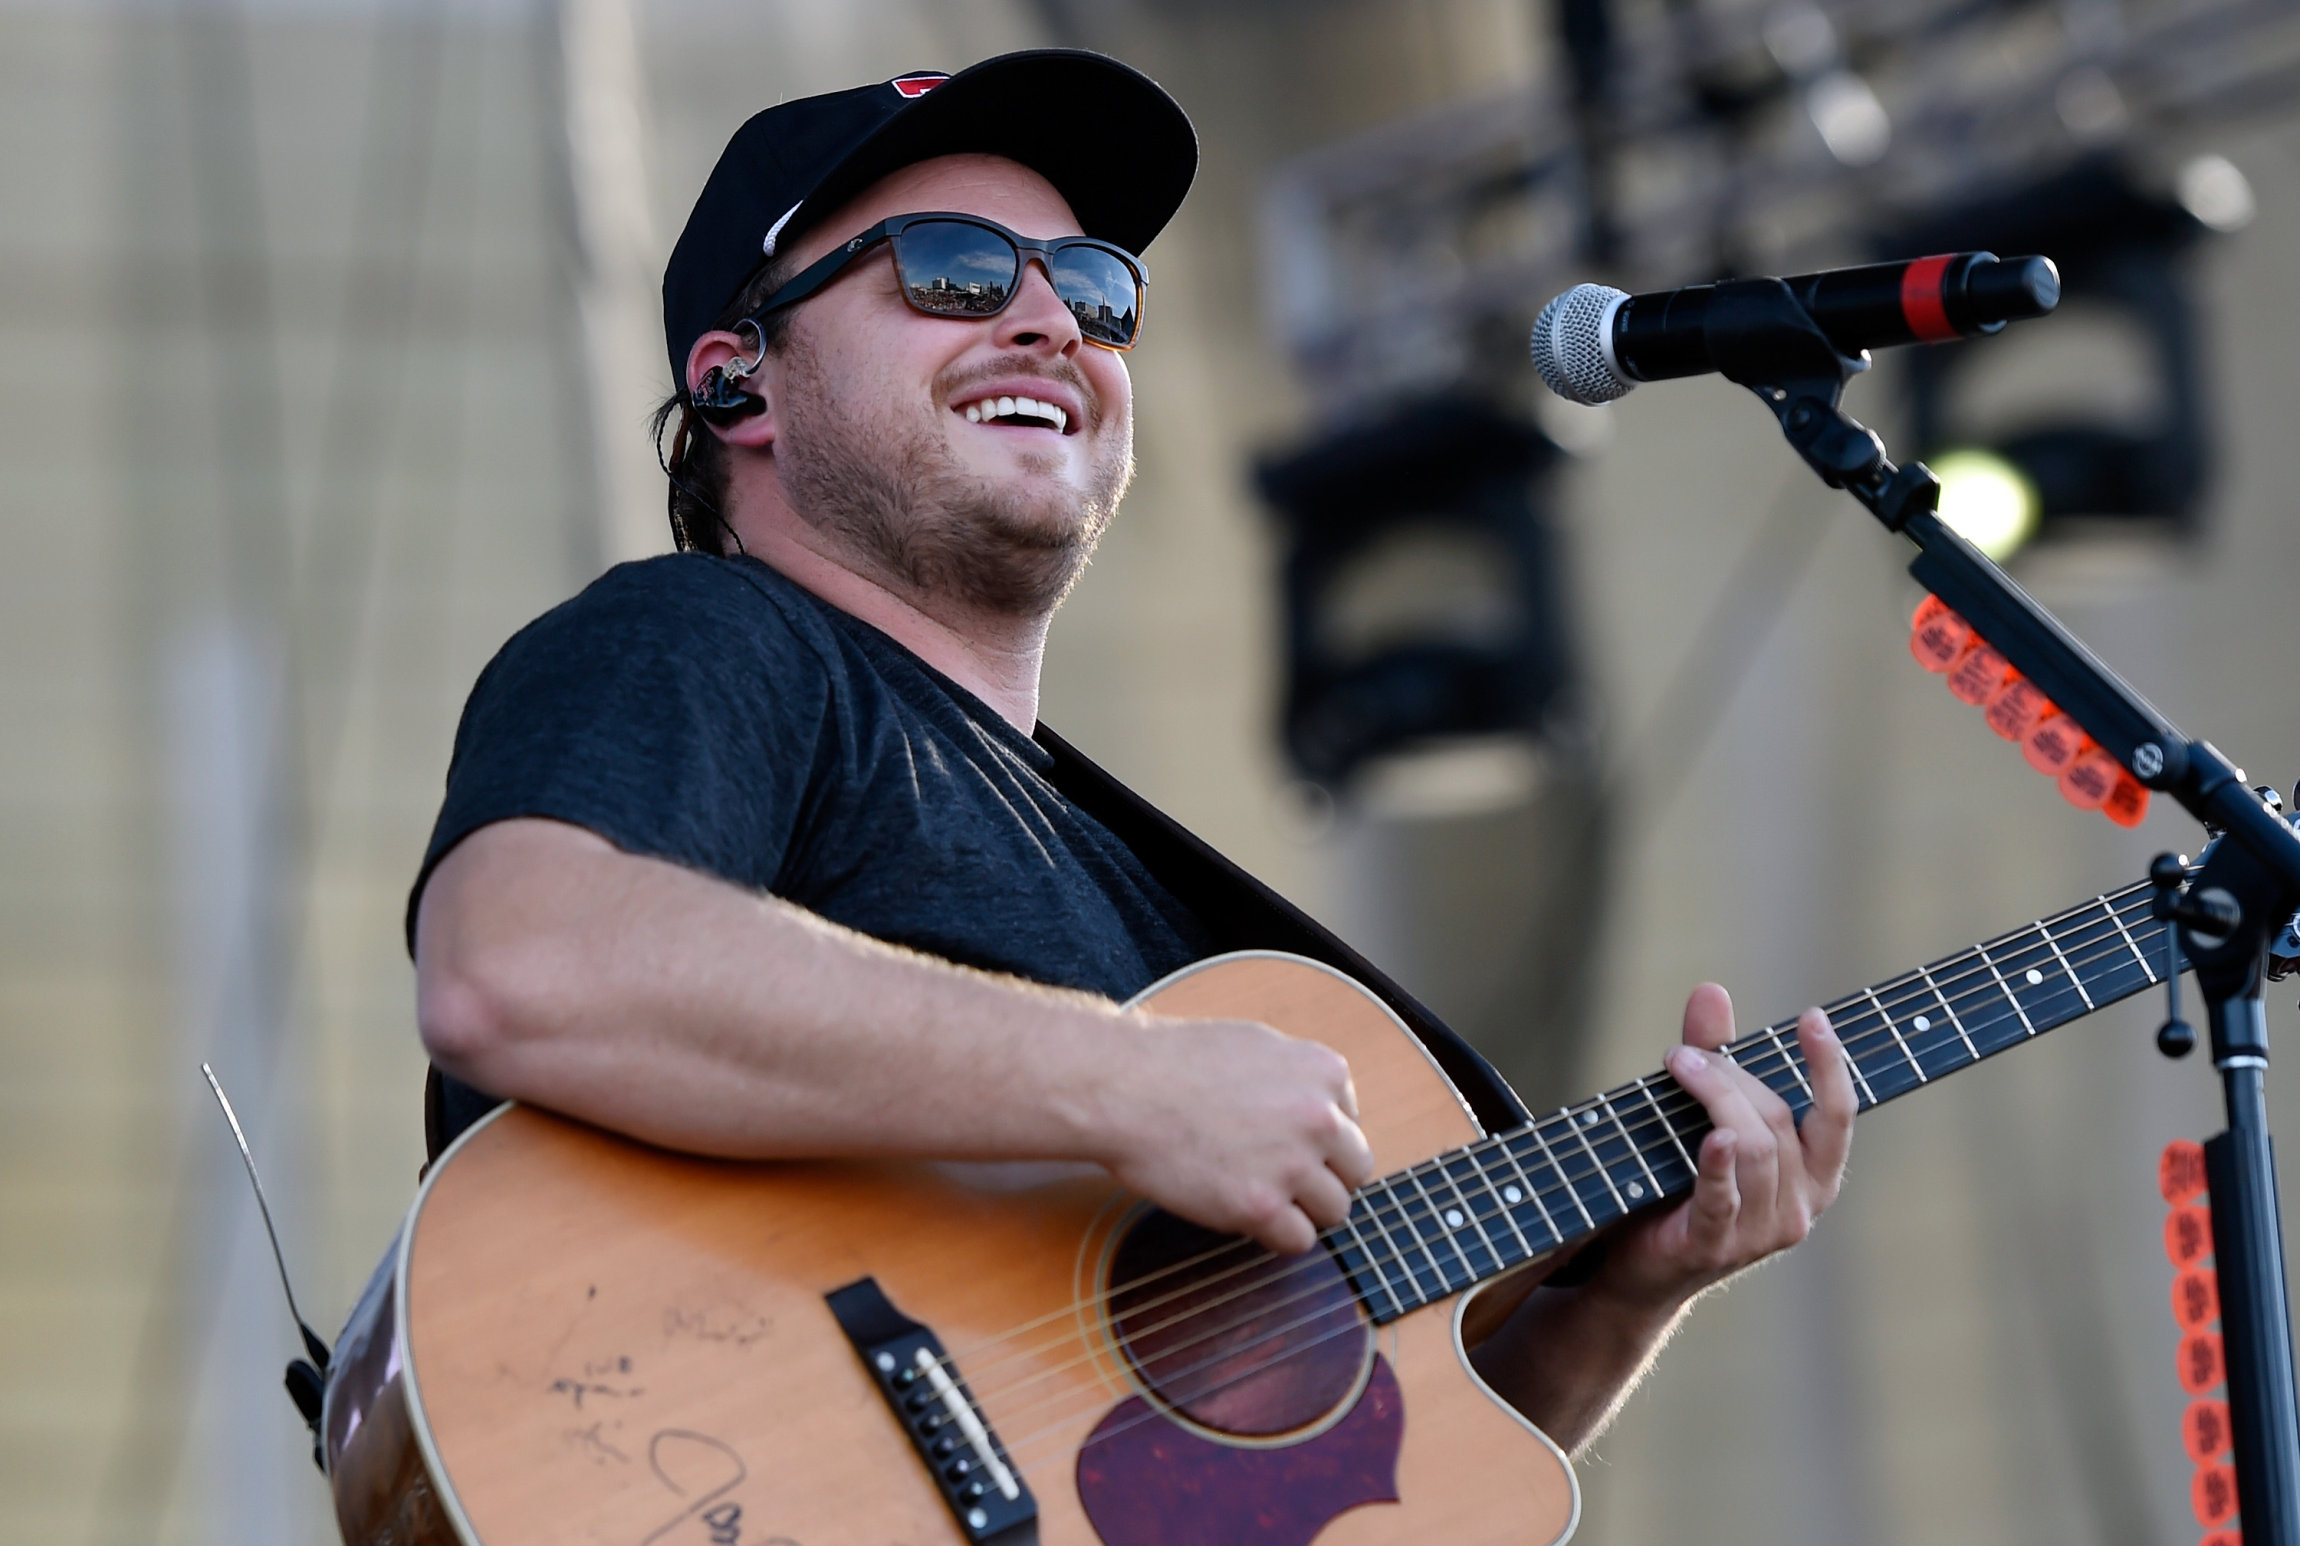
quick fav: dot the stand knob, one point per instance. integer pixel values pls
(2176, 1038)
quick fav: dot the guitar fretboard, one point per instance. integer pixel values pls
(1455, 1221)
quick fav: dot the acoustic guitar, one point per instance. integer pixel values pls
(579, 1339)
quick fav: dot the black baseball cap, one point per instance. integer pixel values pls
(1109, 139)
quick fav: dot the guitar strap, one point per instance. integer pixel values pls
(1238, 910)
(1244, 914)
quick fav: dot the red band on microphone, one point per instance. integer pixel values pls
(1921, 305)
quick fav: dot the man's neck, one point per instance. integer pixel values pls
(994, 656)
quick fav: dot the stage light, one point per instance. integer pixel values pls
(1423, 602)
(1987, 500)
(2076, 452)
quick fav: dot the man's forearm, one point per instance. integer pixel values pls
(1569, 1357)
(673, 1007)
(553, 968)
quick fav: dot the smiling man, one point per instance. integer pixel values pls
(759, 850)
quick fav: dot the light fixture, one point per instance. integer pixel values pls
(2122, 240)
(1423, 599)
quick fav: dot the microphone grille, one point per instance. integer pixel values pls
(1573, 345)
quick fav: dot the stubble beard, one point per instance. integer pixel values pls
(879, 476)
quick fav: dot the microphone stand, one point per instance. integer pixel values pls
(2249, 883)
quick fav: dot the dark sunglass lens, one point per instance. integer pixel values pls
(1101, 293)
(955, 270)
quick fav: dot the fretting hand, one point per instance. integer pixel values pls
(1762, 1179)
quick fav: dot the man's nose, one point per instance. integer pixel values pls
(1037, 318)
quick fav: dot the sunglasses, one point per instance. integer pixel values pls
(966, 266)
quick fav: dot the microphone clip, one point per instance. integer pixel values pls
(1760, 337)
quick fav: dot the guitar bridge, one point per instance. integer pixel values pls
(970, 1467)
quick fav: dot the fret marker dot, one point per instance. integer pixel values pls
(1453, 1218)
(1512, 1195)
(2034, 976)
(1922, 1023)
(1636, 1189)
(1589, 1119)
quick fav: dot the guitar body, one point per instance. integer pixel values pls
(594, 1341)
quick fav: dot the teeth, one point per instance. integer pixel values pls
(989, 409)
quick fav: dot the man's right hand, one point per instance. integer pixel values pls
(1239, 1128)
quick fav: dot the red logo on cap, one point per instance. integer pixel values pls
(915, 86)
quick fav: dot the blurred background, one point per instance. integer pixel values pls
(327, 333)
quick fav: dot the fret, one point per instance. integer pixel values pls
(1922, 1076)
(1444, 1165)
(1502, 1206)
(1587, 1218)
(1789, 1056)
(1389, 1245)
(1955, 1024)
(1645, 1087)
(2007, 989)
(1580, 1130)
(1629, 1141)
(2074, 980)
(1532, 1192)
(1405, 1255)
(2130, 943)
(1379, 1274)
(1841, 1023)
(1437, 1266)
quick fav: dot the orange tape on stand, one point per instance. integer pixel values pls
(2202, 1362)
(2127, 803)
(2187, 1234)
(1978, 673)
(2204, 1430)
(2089, 778)
(2017, 708)
(2213, 1494)
(2195, 1298)
(1937, 636)
(2180, 1171)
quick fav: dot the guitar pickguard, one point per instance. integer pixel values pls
(1146, 1480)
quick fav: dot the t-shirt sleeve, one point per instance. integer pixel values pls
(673, 708)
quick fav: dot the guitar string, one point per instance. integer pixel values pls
(1774, 1055)
(1772, 1058)
(1253, 1369)
(1220, 1330)
(1768, 1058)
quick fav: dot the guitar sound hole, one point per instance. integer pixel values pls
(1234, 1340)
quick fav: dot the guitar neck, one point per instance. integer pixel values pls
(1467, 1216)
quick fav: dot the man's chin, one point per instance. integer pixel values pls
(1023, 471)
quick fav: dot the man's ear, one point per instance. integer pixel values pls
(721, 383)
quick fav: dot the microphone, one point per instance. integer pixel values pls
(1594, 343)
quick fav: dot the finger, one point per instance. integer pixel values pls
(1323, 1197)
(1828, 1130)
(1716, 1204)
(1727, 1095)
(1288, 1232)
(1350, 1157)
(1708, 1017)
(1763, 1128)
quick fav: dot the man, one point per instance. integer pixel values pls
(753, 851)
